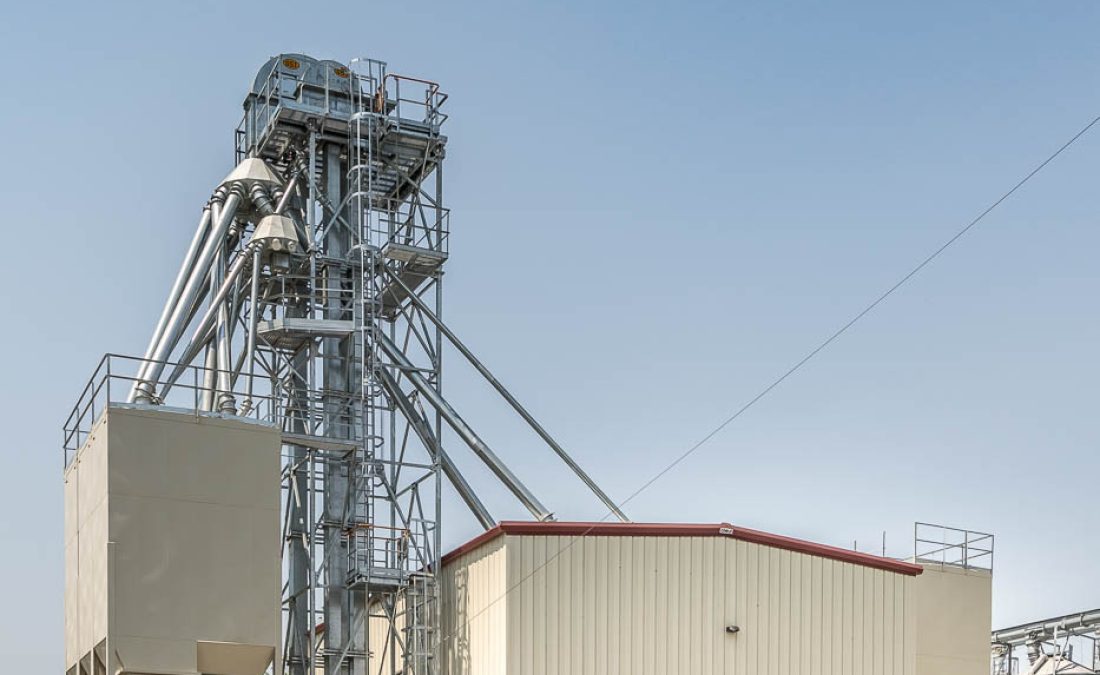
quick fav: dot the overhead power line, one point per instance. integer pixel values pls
(798, 365)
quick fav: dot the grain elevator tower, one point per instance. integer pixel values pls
(310, 302)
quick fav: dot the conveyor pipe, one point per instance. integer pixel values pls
(507, 395)
(464, 431)
(209, 378)
(173, 295)
(199, 337)
(176, 323)
(1074, 623)
(226, 402)
(288, 194)
(253, 327)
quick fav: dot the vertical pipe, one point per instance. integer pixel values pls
(226, 402)
(221, 328)
(209, 376)
(299, 566)
(311, 588)
(253, 326)
(341, 482)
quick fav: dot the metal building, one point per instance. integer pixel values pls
(611, 598)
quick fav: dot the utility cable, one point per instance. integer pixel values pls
(793, 369)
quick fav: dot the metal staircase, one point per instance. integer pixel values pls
(393, 555)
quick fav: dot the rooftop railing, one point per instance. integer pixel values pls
(114, 378)
(952, 546)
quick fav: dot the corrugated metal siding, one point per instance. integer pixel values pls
(473, 616)
(655, 605)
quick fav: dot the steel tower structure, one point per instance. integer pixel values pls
(311, 297)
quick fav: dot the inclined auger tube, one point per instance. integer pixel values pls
(464, 431)
(251, 180)
(174, 293)
(507, 395)
(188, 298)
(274, 233)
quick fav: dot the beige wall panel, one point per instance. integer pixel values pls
(72, 614)
(71, 519)
(660, 605)
(380, 641)
(190, 508)
(92, 570)
(72, 607)
(233, 659)
(168, 655)
(474, 612)
(86, 546)
(953, 621)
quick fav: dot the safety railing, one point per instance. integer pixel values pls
(952, 546)
(364, 87)
(420, 101)
(410, 222)
(114, 379)
(378, 548)
(384, 551)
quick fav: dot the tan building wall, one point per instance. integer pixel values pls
(474, 615)
(172, 544)
(660, 605)
(954, 620)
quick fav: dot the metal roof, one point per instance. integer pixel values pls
(581, 529)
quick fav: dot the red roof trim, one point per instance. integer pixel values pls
(550, 529)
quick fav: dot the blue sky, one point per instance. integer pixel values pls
(657, 209)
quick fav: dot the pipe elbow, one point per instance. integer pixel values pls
(218, 196)
(261, 199)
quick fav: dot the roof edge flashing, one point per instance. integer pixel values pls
(727, 530)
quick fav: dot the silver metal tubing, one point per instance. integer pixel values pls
(516, 405)
(209, 377)
(420, 426)
(261, 199)
(176, 323)
(288, 194)
(174, 293)
(226, 402)
(464, 431)
(200, 337)
(1070, 623)
(253, 324)
(221, 318)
